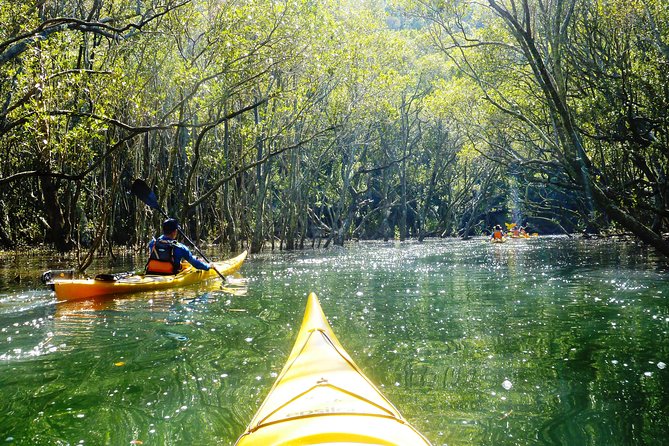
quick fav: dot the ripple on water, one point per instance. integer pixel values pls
(544, 341)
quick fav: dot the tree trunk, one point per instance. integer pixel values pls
(262, 172)
(294, 200)
(427, 199)
(228, 216)
(480, 199)
(102, 223)
(5, 239)
(58, 231)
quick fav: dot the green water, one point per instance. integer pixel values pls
(547, 341)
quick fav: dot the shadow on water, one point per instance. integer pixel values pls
(545, 341)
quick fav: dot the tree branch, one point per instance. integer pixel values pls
(13, 47)
(264, 159)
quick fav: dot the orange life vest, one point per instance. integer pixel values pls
(161, 259)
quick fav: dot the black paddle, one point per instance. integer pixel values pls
(142, 191)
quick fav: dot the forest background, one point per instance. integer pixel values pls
(290, 121)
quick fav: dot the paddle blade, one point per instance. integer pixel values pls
(142, 191)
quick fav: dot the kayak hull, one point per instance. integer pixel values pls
(321, 397)
(76, 289)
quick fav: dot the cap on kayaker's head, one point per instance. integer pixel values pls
(170, 225)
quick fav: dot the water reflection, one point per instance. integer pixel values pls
(540, 341)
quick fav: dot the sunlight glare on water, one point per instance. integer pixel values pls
(541, 341)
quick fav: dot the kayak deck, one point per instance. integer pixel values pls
(74, 289)
(322, 397)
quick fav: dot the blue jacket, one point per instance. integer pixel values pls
(181, 252)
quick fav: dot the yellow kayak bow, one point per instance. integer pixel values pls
(321, 397)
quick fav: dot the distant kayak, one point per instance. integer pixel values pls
(321, 397)
(534, 234)
(107, 284)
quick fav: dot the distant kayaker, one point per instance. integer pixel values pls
(515, 231)
(166, 254)
(497, 233)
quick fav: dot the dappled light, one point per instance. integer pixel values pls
(534, 341)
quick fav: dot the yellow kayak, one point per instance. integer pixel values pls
(321, 397)
(498, 240)
(73, 289)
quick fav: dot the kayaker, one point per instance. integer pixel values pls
(515, 231)
(166, 254)
(497, 233)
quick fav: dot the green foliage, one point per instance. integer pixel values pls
(370, 117)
